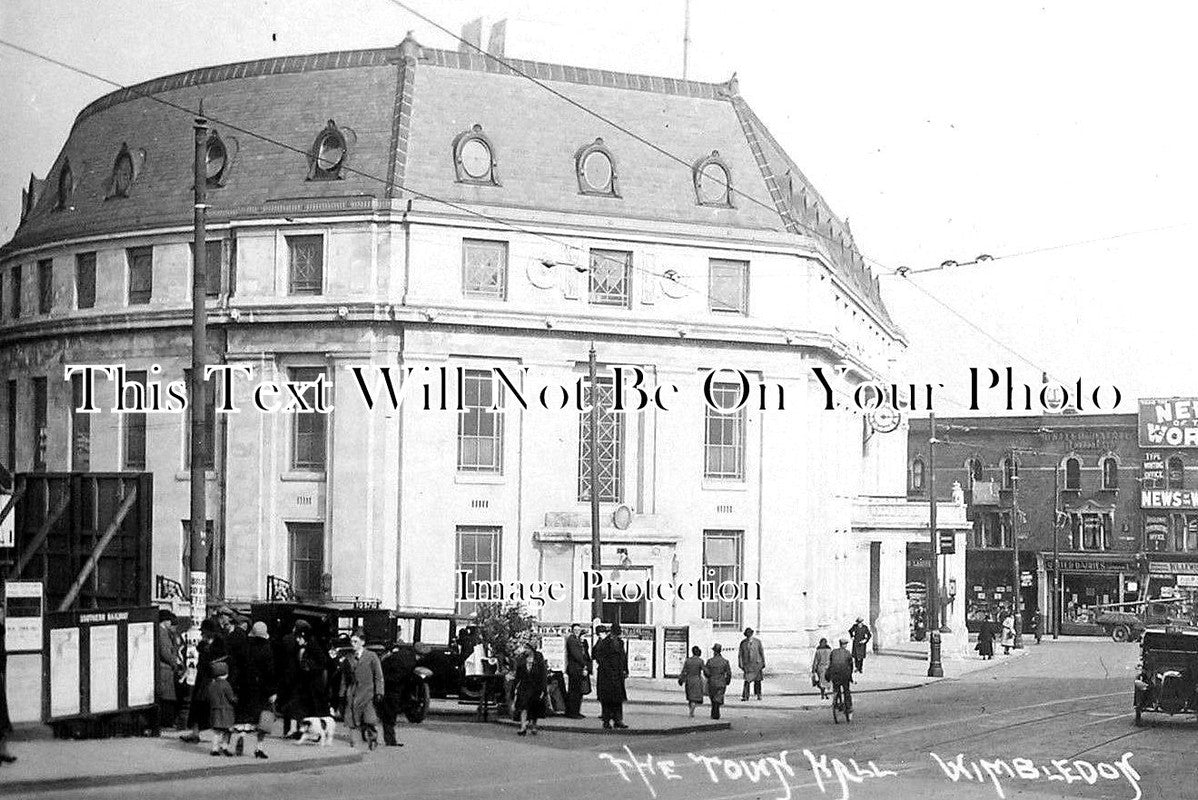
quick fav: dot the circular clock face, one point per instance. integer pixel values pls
(884, 419)
(476, 159)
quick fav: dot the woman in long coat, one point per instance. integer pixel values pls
(611, 669)
(362, 687)
(211, 650)
(303, 690)
(985, 645)
(1008, 633)
(532, 682)
(259, 686)
(692, 679)
(718, 672)
(819, 668)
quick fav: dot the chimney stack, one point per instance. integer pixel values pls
(498, 38)
(472, 32)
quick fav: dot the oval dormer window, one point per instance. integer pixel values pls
(596, 169)
(122, 174)
(474, 157)
(329, 153)
(66, 186)
(216, 160)
(713, 181)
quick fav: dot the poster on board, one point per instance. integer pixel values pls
(139, 644)
(103, 669)
(64, 672)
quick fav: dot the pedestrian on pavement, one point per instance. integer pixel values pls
(578, 671)
(304, 691)
(220, 706)
(5, 723)
(259, 689)
(1038, 626)
(611, 671)
(718, 672)
(861, 636)
(399, 665)
(819, 668)
(237, 645)
(165, 669)
(985, 645)
(1008, 633)
(211, 651)
(692, 679)
(840, 672)
(362, 689)
(751, 660)
(532, 684)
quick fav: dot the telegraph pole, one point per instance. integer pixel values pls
(593, 443)
(1056, 553)
(935, 669)
(686, 36)
(1018, 585)
(195, 391)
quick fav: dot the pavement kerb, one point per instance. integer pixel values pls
(547, 724)
(100, 781)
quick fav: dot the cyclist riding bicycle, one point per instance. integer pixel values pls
(840, 672)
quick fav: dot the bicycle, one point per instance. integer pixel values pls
(841, 704)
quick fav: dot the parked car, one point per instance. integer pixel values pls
(1126, 622)
(1168, 676)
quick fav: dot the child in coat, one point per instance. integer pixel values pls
(221, 701)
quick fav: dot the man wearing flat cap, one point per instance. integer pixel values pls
(840, 672)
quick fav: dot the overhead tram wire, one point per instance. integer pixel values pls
(788, 334)
(768, 206)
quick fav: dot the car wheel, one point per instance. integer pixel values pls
(1121, 633)
(417, 707)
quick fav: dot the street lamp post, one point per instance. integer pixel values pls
(935, 668)
(593, 461)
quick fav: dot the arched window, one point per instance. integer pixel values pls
(713, 181)
(328, 154)
(1010, 471)
(917, 474)
(1073, 474)
(125, 169)
(975, 469)
(1110, 473)
(1175, 473)
(474, 157)
(595, 167)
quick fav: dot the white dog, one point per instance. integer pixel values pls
(318, 730)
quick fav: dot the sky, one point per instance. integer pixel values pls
(940, 130)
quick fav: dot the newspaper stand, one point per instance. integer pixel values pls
(98, 670)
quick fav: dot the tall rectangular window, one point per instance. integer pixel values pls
(81, 428)
(141, 274)
(610, 278)
(134, 429)
(609, 440)
(729, 286)
(12, 425)
(209, 425)
(308, 439)
(85, 280)
(45, 285)
(306, 263)
(15, 296)
(478, 555)
(214, 250)
(724, 442)
(484, 268)
(40, 431)
(722, 562)
(307, 558)
(480, 430)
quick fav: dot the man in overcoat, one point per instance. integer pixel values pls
(611, 670)
(751, 660)
(578, 667)
(363, 688)
(718, 672)
(165, 668)
(861, 636)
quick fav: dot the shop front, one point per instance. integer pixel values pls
(1087, 581)
(989, 580)
(1175, 575)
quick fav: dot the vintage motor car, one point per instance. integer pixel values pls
(441, 642)
(1168, 678)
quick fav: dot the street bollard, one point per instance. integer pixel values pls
(935, 670)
